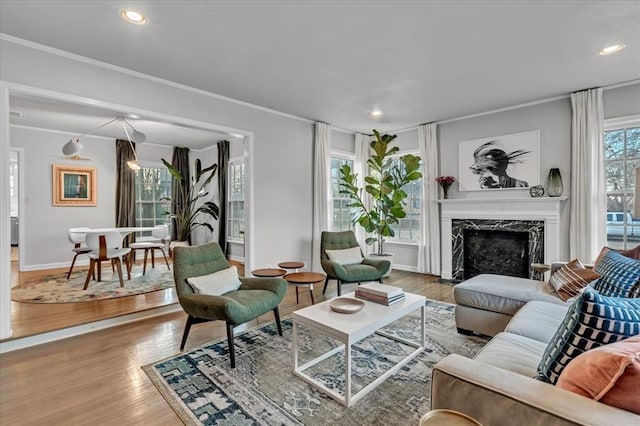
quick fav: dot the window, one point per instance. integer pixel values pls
(622, 156)
(152, 184)
(235, 211)
(340, 212)
(408, 228)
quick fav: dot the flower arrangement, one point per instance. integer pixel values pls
(445, 182)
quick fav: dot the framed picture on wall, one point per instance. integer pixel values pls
(499, 162)
(74, 186)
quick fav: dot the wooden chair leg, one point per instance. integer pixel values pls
(232, 349)
(185, 333)
(73, 262)
(129, 263)
(153, 258)
(276, 313)
(326, 282)
(146, 255)
(89, 273)
(99, 266)
(380, 280)
(165, 258)
(116, 260)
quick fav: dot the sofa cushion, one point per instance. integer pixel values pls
(610, 374)
(503, 294)
(620, 276)
(571, 278)
(512, 352)
(592, 320)
(537, 320)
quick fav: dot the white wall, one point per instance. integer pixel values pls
(343, 141)
(282, 154)
(45, 226)
(622, 101)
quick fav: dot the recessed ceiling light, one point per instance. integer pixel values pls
(376, 113)
(134, 116)
(611, 49)
(134, 17)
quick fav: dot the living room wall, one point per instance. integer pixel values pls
(283, 145)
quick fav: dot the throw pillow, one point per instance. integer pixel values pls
(620, 275)
(609, 374)
(571, 278)
(349, 256)
(216, 284)
(633, 253)
(592, 320)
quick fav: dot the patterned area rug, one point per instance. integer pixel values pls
(56, 289)
(262, 390)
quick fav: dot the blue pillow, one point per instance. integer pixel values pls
(592, 320)
(620, 276)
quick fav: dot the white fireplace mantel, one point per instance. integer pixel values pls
(547, 209)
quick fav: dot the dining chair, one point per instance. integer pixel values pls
(159, 237)
(77, 237)
(106, 246)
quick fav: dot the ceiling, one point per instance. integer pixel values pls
(337, 61)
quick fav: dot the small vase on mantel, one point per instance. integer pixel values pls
(555, 187)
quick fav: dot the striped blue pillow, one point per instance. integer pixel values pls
(620, 276)
(592, 320)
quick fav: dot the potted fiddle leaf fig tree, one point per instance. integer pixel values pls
(384, 185)
(189, 208)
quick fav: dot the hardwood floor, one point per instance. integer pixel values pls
(96, 378)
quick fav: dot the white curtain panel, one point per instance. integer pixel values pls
(321, 189)
(360, 166)
(429, 248)
(588, 194)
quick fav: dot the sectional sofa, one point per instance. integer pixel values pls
(498, 387)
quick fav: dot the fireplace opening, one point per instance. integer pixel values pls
(496, 252)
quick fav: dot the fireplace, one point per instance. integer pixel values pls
(493, 246)
(495, 252)
(539, 218)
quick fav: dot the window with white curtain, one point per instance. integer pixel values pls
(340, 212)
(152, 184)
(622, 157)
(235, 200)
(408, 228)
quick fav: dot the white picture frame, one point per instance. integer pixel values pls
(507, 162)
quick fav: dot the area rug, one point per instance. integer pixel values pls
(56, 289)
(262, 390)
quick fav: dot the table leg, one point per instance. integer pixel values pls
(423, 338)
(347, 373)
(313, 302)
(295, 345)
(297, 300)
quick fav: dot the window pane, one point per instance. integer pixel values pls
(614, 144)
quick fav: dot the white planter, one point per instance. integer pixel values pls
(385, 256)
(174, 244)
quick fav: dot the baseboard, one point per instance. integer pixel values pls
(51, 336)
(404, 268)
(38, 267)
(236, 258)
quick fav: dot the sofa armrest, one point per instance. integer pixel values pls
(495, 396)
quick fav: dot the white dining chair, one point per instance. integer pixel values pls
(77, 237)
(106, 246)
(161, 236)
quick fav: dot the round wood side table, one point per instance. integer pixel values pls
(305, 279)
(268, 272)
(291, 264)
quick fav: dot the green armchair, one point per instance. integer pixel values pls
(369, 270)
(256, 296)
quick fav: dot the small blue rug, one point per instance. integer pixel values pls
(262, 390)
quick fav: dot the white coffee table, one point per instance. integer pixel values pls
(349, 329)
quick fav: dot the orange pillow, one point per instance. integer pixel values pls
(609, 374)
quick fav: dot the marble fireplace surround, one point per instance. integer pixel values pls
(545, 209)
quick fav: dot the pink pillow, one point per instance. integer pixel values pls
(609, 374)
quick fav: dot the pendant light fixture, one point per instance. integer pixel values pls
(74, 146)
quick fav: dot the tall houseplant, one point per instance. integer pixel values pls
(188, 205)
(384, 184)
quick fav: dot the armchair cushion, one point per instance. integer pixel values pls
(217, 283)
(350, 256)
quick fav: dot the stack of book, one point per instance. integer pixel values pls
(380, 293)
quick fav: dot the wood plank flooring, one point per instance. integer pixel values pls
(96, 378)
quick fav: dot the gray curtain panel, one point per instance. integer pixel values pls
(180, 161)
(223, 167)
(125, 188)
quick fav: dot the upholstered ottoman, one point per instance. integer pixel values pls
(486, 303)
